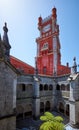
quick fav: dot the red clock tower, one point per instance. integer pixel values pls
(48, 47)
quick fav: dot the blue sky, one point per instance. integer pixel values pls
(22, 19)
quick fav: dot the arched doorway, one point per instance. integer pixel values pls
(47, 106)
(41, 107)
(61, 107)
(67, 110)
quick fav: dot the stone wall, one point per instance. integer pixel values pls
(7, 96)
(8, 123)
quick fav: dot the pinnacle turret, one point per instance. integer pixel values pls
(74, 67)
(5, 36)
(6, 42)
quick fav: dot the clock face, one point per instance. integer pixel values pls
(46, 28)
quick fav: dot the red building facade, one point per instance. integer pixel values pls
(48, 57)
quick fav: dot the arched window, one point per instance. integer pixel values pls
(58, 87)
(67, 109)
(68, 87)
(47, 106)
(61, 107)
(45, 87)
(50, 87)
(23, 87)
(41, 87)
(41, 107)
(62, 87)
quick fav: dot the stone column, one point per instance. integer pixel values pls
(74, 101)
(54, 95)
(36, 98)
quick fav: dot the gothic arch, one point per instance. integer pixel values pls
(41, 107)
(47, 106)
(67, 109)
(46, 87)
(61, 107)
(41, 87)
(57, 87)
(63, 87)
(50, 87)
(68, 87)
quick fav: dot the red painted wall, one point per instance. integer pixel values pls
(22, 66)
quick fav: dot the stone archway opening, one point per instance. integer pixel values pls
(45, 87)
(62, 87)
(67, 110)
(58, 87)
(41, 87)
(50, 87)
(61, 107)
(47, 106)
(41, 107)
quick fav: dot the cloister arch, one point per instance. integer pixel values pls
(57, 87)
(67, 109)
(46, 87)
(41, 107)
(61, 107)
(68, 87)
(41, 87)
(62, 87)
(50, 87)
(47, 106)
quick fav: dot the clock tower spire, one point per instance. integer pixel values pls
(48, 46)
